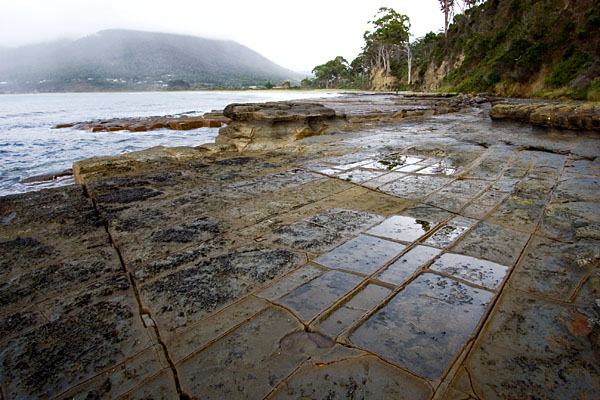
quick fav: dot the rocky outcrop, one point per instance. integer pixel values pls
(213, 119)
(264, 126)
(584, 116)
(379, 81)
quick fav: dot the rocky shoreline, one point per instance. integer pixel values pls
(424, 251)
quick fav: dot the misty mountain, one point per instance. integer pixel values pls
(135, 60)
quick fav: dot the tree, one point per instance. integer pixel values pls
(448, 10)
(388, 38)
(332, 73)
(447, 7)
(409, 59)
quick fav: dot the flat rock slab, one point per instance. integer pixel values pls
(444, 257)
(424, 326)
(529, 333)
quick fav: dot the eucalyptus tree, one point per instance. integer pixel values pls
(332, 73)
(387, 40)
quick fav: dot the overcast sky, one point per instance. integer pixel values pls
(295, 34)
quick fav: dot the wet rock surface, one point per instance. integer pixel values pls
(414, 257)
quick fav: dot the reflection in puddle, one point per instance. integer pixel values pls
(425, 325)
(471, 269)
(441, 168)
(359, 175)
(363, 254)
(405, 266)
(402, 228)
(311, 298)
(352, 310)
(392, 163)
(450, 232)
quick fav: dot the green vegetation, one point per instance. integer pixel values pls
(383, 49)
(524, 48)
(543, 48)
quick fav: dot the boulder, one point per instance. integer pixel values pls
(265, 126)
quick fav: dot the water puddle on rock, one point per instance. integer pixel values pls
(440, 168)
(425, 325)
(471, 269)
(313, 297)
(406, 229)
(353, 309)
(363, 254)
(393, 163)
(449, 232)
(405, 266)
(359, 175)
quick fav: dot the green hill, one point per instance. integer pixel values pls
(134, 60)
(530, 48)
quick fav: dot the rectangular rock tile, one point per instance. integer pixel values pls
(572, 221)
(492, 242)
(119, 380)
(353, 309)
(477, 210)
(344, 221)
(555, 269)
(467, 188)
(162, 386)
(59, 277)
(187, 295)
(202, 333)
(471, 269)
(533, 348)
(303, 235)
(427, 213)
(359, 175)
(345, 167)
(440, 168)
(578, 189)
(363, 254)
(247, 363)
(406, 229)
(415, 187)
(405, 266)
(330, 171)
(290, 282)
(488, 169)
(392, 163)
(366, 377)
(19, 323)
(410, 168)
(519, 214)
(315, 296)
(425, 325)
(72, 349)
(449, 232)
(273, 182)
(383, 179)
(447, 202)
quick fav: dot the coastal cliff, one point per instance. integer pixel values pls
(527, 48)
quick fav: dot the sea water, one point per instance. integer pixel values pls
(29, 144)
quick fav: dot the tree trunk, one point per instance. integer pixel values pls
(409, 59)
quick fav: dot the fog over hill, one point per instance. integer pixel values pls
(135, 60)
